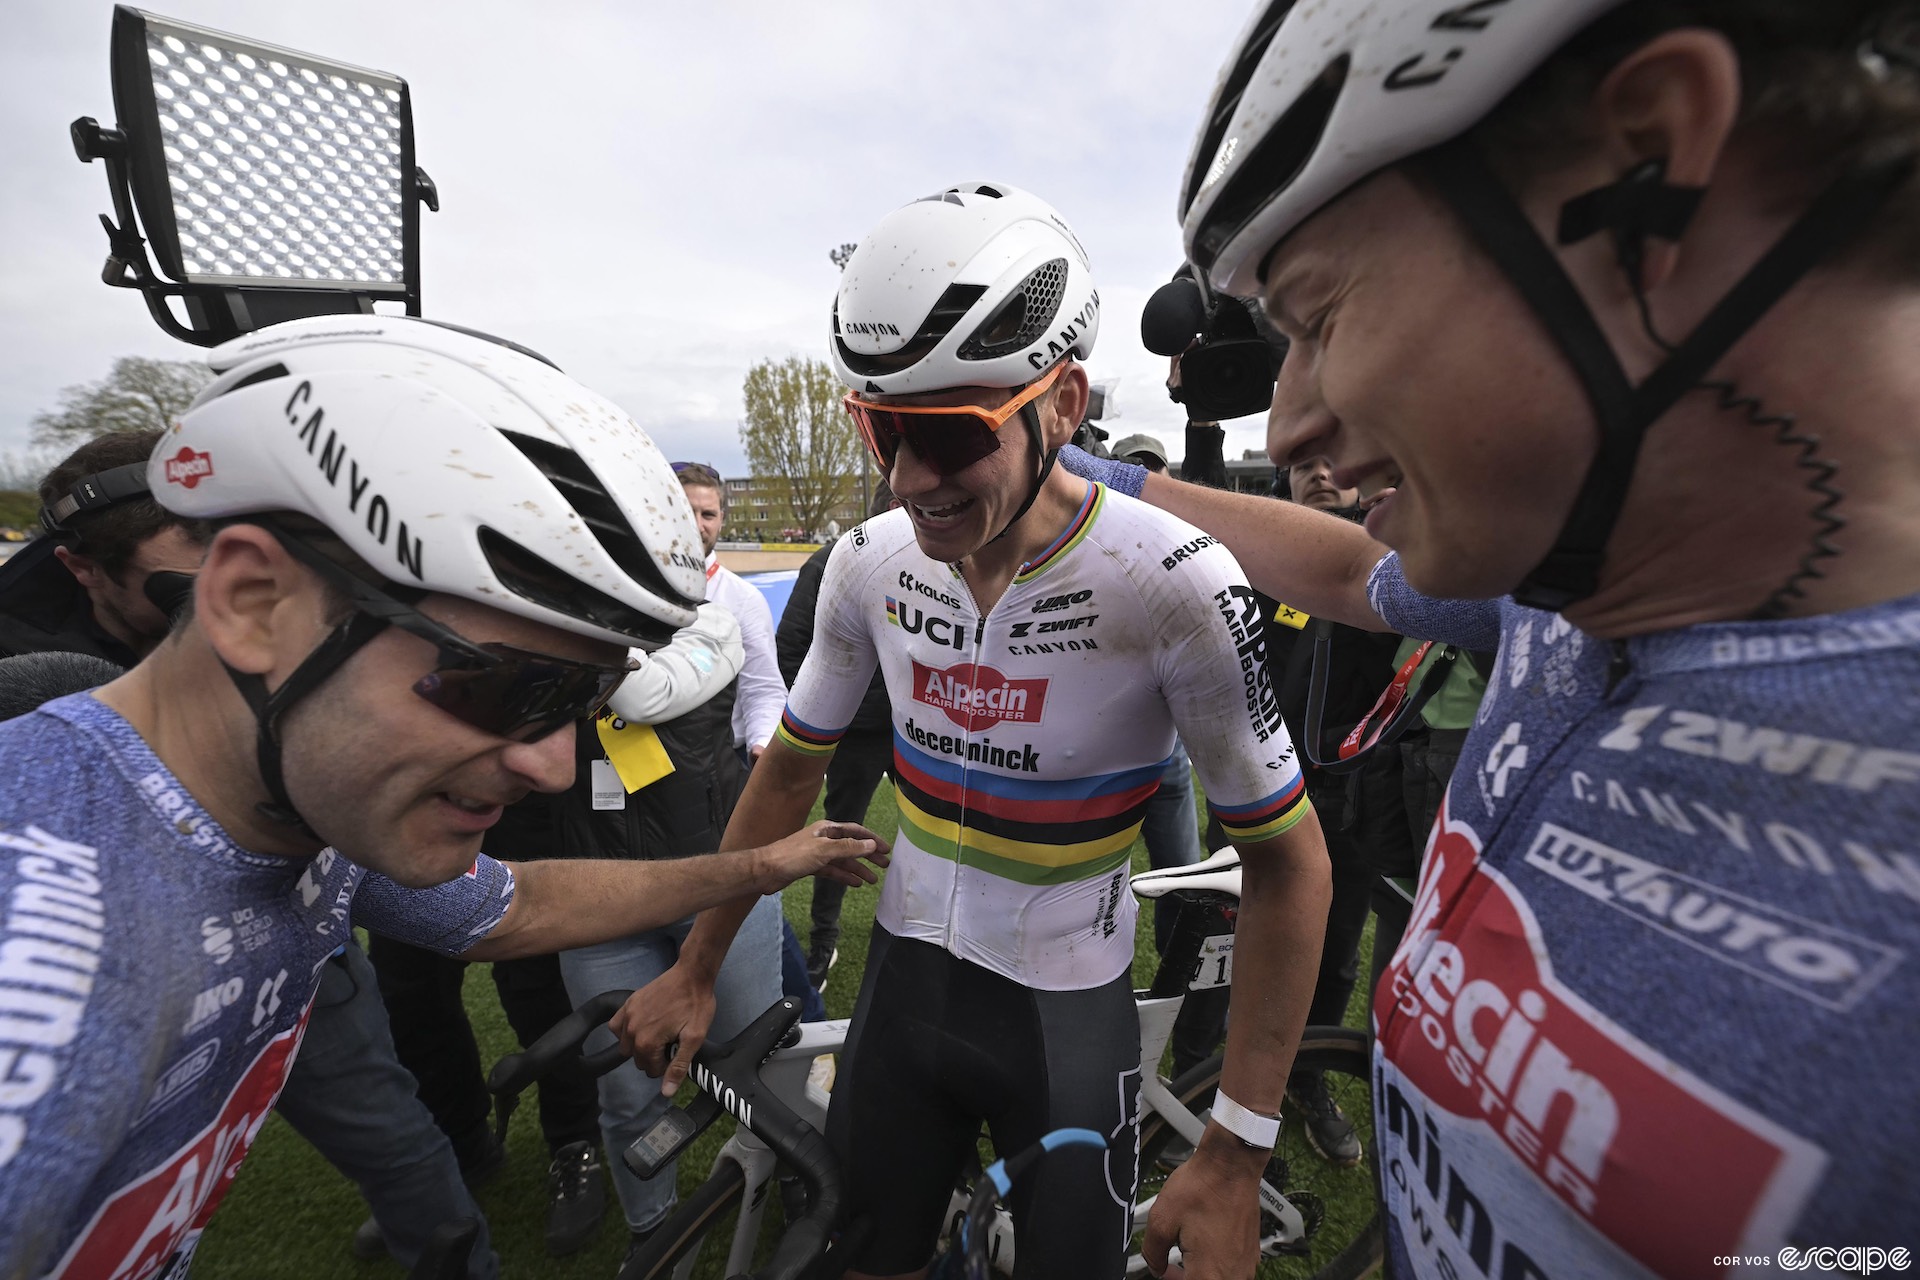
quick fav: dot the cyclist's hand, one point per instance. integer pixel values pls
(830, 850)
(1210, 1207)
(663, 1024)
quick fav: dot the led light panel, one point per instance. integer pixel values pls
(281, 168)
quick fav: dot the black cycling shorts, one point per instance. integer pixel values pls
(938, 1046)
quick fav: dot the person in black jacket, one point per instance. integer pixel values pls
(82, 586)
(863, 756)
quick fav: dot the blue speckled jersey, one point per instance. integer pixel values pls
(1657, 1005)
(154, 984)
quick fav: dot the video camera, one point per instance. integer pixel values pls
(1227, 364)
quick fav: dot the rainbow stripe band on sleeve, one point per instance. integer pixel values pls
(1265, 819)
(806, 739)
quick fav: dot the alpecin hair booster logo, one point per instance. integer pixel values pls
(189, 467)
(979, 697)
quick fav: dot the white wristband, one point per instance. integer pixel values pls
(1250, 1127)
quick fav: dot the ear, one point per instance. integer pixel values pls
(84, 568)
(1675, 100)
(260, 609)
(1065, 405)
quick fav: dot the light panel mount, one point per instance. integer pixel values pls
(270, 184)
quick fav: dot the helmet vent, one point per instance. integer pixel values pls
(1271, 165)
(576, 482)
(1027, 313)
(266, 373)
(1231, 90)
(947, 312)
(530, 577)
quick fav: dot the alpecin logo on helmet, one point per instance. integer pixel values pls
(189, 467)
(976, 697)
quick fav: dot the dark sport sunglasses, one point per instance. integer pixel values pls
(948, 438)
(509, 692)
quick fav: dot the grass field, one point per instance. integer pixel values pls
(289, 1213)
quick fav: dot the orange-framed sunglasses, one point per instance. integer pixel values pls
(948, 438)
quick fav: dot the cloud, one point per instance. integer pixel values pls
(648, 194)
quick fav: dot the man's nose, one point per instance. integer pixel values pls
(546, 764)
(911, 475)
(1298, 417)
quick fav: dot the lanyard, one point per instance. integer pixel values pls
(1390, 699)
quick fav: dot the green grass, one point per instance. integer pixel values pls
(290, 1214)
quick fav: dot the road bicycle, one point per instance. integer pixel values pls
(1318, 1220)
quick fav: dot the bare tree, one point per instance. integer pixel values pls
(138, 395)
(796, 432)
(842, 254)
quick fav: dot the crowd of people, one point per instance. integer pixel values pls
(1579, 649)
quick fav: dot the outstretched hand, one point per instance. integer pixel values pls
(830, 850)
(663, 1024)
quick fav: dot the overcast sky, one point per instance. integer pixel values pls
(647, 193)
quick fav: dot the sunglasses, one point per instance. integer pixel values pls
(948, 438)
(508, 692)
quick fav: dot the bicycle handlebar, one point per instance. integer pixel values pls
(729, 1071)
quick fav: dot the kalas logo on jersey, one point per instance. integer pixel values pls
(189, 467)
(1484, 1039)
(977, 697)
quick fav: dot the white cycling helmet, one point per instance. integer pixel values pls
(1318, 96)
(449, 463)
(980, 285)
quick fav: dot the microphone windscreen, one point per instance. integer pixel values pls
(1173, 317)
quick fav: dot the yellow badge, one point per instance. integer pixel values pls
(1288, 616)
(635, 751)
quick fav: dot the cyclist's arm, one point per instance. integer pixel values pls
(1315, 562)
(1211, 656)
(701, 660)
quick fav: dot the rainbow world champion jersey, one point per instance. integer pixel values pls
(1028, 740)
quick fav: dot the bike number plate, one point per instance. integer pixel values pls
(1216, 964)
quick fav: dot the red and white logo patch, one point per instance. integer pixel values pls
(978, 697)
(134, 1233)
(1651, 1157)
(189, 467)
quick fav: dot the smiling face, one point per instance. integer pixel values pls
(955, 516)
(1419, 373)
(400, 786)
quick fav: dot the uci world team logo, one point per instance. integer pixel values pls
(979, 697)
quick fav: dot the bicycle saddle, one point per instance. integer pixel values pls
(1220, 873)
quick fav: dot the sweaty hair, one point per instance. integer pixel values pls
(701, 474)
(1811, 103)
(29, 679)
(112, 535)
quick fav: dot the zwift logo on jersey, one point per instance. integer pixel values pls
(978, 697)
(912, 620)
(1491, 1061)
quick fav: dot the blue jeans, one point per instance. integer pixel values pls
(348, 1095)
(1172, 831)
(630, 1100)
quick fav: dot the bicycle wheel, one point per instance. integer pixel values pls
(705, 1218)
(1346, 1238)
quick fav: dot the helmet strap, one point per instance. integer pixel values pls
(1639, 205)
(1031, 416)
(340, 644)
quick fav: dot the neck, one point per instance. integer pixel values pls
(1721, 516)
(206, 739)
(991, 569)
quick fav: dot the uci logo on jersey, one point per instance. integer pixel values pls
(910, 619)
